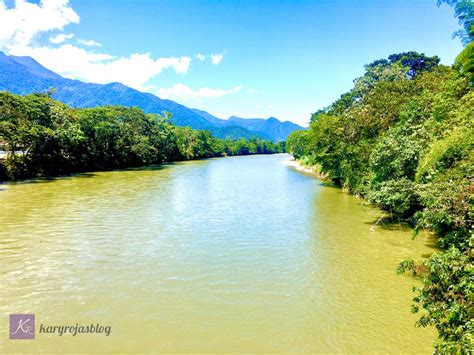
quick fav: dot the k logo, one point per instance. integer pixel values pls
(22, 326)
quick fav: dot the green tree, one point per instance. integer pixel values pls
(403, 138)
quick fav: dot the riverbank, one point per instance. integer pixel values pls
(103, 138)
(297, 165)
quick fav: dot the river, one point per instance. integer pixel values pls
(223, 255)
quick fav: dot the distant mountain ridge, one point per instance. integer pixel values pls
(24, 75)
(272, 127)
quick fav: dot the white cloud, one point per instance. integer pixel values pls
(89, 43)
(217, 58)
(60, 38)
(252, 91)
(79, 63)
(181, 91)
(21, 24)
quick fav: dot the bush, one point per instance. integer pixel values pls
(446, 298)
(397, 196)
(447, 210)
(445, 153)
(19, 167)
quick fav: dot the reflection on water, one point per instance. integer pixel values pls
(235, 254)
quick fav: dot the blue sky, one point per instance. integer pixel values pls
(271, 58)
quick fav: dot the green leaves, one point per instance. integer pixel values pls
(403, 138)
(298, 143)
(397, 196)
(464, 11)
(465, 62)
(44, 137)
(446, 297)
(445, 153)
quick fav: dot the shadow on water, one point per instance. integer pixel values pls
(386, 221)
(389, 222)
(432, 242)
(394, 222)
(46, 179)
(149, 167)
(84, 175)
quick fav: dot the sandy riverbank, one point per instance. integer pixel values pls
(306, 169)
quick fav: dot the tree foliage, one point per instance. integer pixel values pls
(403, 138)
(464, 12)
(446, 297)
(44, 137)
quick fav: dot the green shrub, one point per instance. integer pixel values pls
(444, 154)
(446, 298)
(397, 196)
(19, 167)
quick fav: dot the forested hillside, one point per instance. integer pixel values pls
(403, 139)
(24, 75)
(43, 137)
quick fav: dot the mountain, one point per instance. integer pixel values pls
(35, 68)
(272, 127)
(24, 75)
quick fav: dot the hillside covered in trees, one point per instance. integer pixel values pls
(43, 137)
(24, 75)
(403, 139)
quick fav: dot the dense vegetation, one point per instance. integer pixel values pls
(43, 137)
(403, 138)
